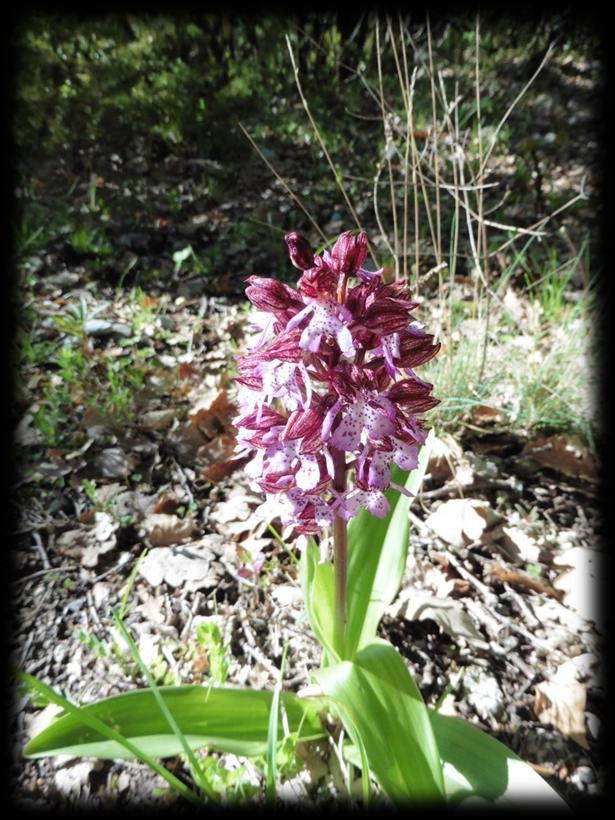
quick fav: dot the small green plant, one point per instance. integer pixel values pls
(72, 365)
(88, 240)
(73, 321)
(124, 379)
(49, 413)
(209, 637)
(181, 258)
(144, 310)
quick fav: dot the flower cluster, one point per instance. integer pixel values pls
(328, 394)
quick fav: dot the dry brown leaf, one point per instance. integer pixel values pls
(567, 454)
(114, 462)
(216, 418)
(444, 454)
(580, 582)
(223, 469)
(522, 580)
(164, 530)
(561, 703)
(215, 457)
(191, 566)
(72, 543)
(185, 370)
(96, 538)
(482, 415)
(185, 441)
(157, 419)
(167, 504)
(519, 546)
(450, 615)
(463, 521)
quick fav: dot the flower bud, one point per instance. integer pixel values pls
(304, 424)
(413, 395)
(319, 281)
(299, 250)
(349, 252)
(416, 350)
(385, 316)
(271, 296)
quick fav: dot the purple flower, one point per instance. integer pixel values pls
(329, 380)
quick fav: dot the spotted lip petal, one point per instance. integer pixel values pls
(349, 252)
(325, 377)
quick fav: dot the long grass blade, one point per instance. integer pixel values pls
(108, 732)
(194, 763)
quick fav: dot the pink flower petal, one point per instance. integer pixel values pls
(308, 475)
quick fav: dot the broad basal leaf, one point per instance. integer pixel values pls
(378, 701)
(228, 720)
(477, 765)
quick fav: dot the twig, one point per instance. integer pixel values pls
(438, 248)
(38, 544)
(41, 572)
(510, 109)
(183, 480)
(283, 182)
(323, 146)
(191, 613)
(387, 142)
(383, 233)
(253, 649)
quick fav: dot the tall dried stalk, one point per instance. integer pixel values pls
(323, 146)
(388, 146)
(283, 182)
(434, 139)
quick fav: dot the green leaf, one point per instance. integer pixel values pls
(225, 719)
(381, 707)
(477, 765)
(179, 257)
(319, 596)
(109, 732)
(195, 767)
(272, 734)
(377, 553)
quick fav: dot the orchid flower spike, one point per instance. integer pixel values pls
(331, 376)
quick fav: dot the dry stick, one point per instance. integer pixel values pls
(480, 202)
(511, 107)
(38, 544)
(383, 233)
(542, 222)
(458, 161)
(435, 144)
(387, 142)
(403, 84)
(323, 146)
(370, 90)
(417, 166)
(284, 183)
(410, 146)
(455, 239)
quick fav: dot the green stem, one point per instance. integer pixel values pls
(340, 556)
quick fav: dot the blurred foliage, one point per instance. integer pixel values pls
(85, 79)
